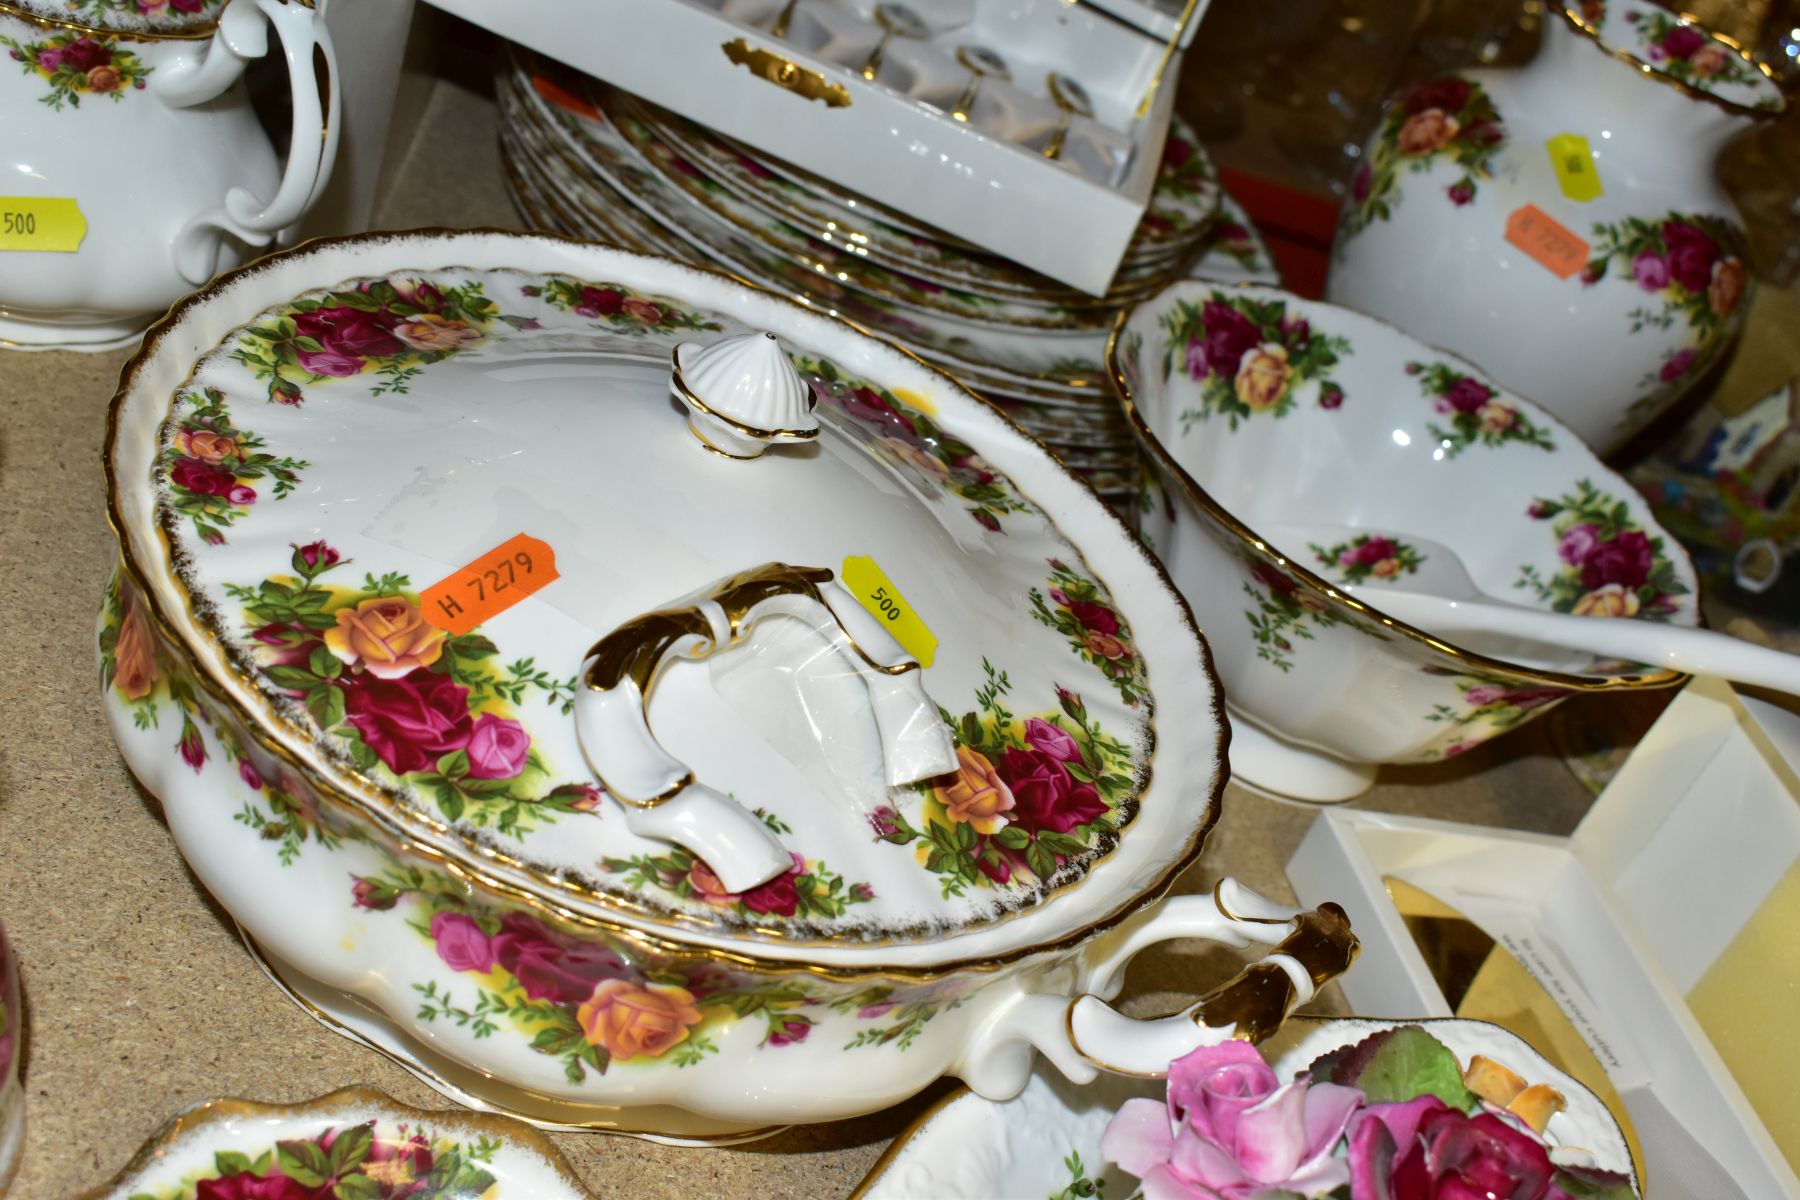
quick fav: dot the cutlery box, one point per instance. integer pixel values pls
(1666, 929)
(896, 138)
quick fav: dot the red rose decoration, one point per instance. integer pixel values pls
(248, 1186)
(1626, 560)
(195, 476)
(1448, 95)
(1682, 41)
(346, 336)
(1273, 579)
(1097, 617)
(1045, 795)
(84, 54)
(1372, 551)
(550, 965)
(1229, 335)
(599, 302)
(780, 896)
(408, 722)
(1691, 255)
(1455, 1157)
(1466, 394)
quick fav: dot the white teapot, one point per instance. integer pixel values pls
(131, 165)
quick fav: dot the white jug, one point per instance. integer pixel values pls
(132, 168)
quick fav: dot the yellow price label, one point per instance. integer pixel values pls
(877, 593)
(1573, 161)
(41, 223)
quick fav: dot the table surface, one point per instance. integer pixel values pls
(139, 998)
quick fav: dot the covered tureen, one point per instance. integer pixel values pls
(654, 704)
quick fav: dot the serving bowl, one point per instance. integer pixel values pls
(1257, 411)
(817, 754)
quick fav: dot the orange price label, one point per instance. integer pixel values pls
(490, 585)
(1547, 240)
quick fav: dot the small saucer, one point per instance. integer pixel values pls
(367, 1141)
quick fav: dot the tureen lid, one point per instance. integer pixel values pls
(135, 18)
(660, 611)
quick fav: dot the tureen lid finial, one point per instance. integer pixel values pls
(742, 395)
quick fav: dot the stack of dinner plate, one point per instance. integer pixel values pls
(595, 162)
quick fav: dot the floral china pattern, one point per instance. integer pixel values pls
(901, 431)
(1249, 356)
(1369, 556)
(407, 703)
(1679, 49)
(80, 64)
(393, 328)
(617, 307)
(1477, 414)
(210, 466)
(1187, 189)
(1612, 568)
(1691, 268)
(1031, 798)
(1487, 707)
(375, 1160)
(1285, 609)
(1084, 1182)
(809, 890)
(1082, 611)
(594, 1004)
(1449, 119)
(134, 670)
(131, 16)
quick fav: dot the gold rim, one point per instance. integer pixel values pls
(669, 942)
(1254, 544)
(197, 33)
(1650, 71)
(207, 1113)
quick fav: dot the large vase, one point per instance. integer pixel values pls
(1560, 224)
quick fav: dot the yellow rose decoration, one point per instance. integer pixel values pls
(1427, 131)
(631, 1020)
(385, 636)
(1262, 378)
(428, 331)
(1609, 601)
(134, 656)
(975, 795)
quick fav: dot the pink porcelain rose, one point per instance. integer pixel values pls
(1230, 1130)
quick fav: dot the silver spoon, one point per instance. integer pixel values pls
(1073, 99)
(1438, 596)
(896, 20)
(982, 63)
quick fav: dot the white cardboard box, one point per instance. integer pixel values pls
(1618, 921)
(716, 62)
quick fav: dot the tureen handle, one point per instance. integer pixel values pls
(317, 121)
(1087, 1035)
(659, 794)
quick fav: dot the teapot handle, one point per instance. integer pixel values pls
(659, 793)
(312, 148)
(1086, 1035)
